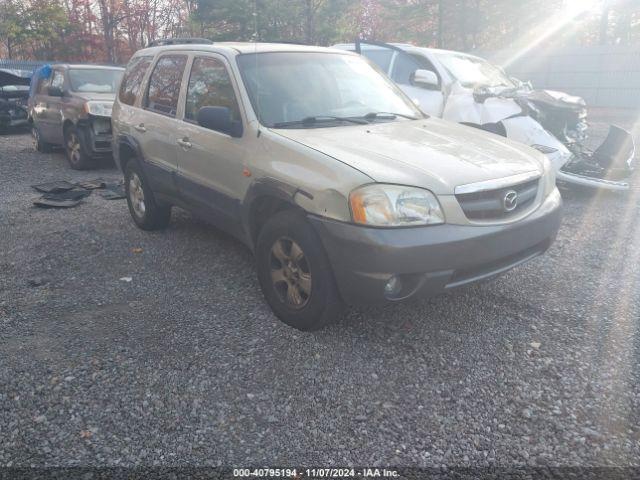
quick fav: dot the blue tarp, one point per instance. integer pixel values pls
(42, 72)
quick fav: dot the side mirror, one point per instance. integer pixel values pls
(55, 92)
(219, 119)
(425, 79)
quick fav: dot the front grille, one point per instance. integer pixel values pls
(490, 204)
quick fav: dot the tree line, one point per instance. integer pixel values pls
(111, 30)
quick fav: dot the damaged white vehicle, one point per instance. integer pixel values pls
(468, 89)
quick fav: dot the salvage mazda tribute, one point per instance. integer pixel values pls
(342, 188)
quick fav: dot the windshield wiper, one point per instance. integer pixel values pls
(387, 115)
(309, 121)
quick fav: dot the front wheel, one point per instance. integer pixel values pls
(75, 149)
(295, 274)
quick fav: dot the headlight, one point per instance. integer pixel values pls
(383, 205)
(101, 109)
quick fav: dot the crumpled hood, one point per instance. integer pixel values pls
(554, 99)
(429, 153)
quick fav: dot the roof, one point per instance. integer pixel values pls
(238, 48)
(404, 46)
(87, 66)
(413, 48)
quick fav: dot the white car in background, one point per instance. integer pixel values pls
(467, 89)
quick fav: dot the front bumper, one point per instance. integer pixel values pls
(609, 167)
(13, 121)
(97, 137)
(430, 260)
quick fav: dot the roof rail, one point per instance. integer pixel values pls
(291, 42)
(179, 41)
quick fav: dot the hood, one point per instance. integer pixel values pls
(429, 153)
(14, 77)
(556, 100)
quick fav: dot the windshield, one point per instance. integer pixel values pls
(100, 80)
(286, 87)
(474, 71)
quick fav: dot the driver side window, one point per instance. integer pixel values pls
(405, 67)
(58, 79)
(209, 86)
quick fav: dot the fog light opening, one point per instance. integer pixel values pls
(393, 287)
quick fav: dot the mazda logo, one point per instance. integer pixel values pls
(510, 201)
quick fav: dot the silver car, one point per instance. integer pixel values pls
(342, 188)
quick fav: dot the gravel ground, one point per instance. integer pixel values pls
(186, 365)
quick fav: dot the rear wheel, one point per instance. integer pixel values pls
(39, 144)
(76, 152)
(295, 274)
(146, 213)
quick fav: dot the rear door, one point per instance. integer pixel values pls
(49, 109)
(210, 163)
(39, 104)
(155, 127)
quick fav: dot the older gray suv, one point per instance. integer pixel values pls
(341, 187)
(72, 107)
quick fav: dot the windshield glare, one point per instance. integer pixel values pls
(473, 71)
(95, 81)
(289, 87)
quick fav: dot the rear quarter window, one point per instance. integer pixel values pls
(132, 80)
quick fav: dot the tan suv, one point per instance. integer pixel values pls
(342, 188)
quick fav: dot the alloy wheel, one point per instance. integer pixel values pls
(136, 195)
(290, 273)
(73, 147)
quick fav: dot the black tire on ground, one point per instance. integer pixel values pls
(293, 266)
(39, 144)
(76, 151)
(144, 209)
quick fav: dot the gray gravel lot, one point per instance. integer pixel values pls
(186, 365)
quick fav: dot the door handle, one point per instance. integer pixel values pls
(141, 128)
(184, 143)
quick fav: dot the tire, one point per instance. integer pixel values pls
(144, 209)
(289, 250)
(39, 144)
(76, 149)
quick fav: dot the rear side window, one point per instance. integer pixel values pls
(132, 80)
(164, 85)
(43, 84)
(210, 86)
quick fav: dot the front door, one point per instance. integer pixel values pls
(403, 68)
(210, 163)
